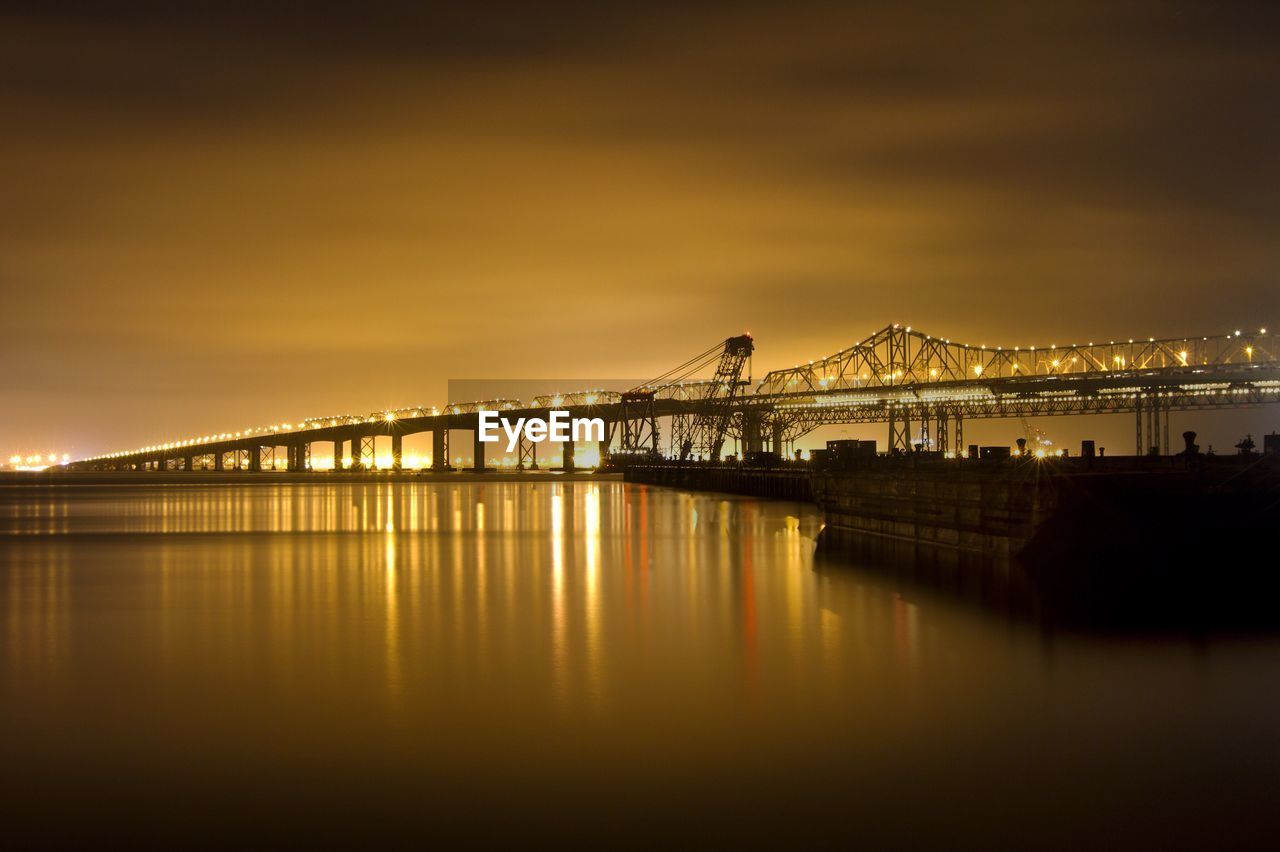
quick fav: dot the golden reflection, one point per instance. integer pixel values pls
(572, 592)
(559, 630)
(38, 613)
(392, 615)
(592, 603)
(482, 577)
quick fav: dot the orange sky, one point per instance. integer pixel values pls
(216, 217)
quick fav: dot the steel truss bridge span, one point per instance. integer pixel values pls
(923, 387)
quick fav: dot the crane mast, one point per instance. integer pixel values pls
(703, 429)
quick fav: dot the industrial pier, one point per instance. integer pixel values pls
(1092, 535)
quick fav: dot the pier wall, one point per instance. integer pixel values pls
(774, 484)
(975, 511)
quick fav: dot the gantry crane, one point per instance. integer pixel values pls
(701, 430)
(701, 426)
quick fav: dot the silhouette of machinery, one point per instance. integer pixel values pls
(701, 409)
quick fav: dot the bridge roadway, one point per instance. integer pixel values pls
(923, 388)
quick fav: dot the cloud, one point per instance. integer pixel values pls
(405, 196)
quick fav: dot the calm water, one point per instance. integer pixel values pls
(598, 663)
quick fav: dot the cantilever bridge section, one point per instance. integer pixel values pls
(905, 378)
(924, 388)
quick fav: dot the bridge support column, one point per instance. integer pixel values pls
(1158, 425)
(958, 437)
(603, 445)
(526, 454)
(356, 462)
(778, 438)
(218, 459)
(368, 451)
(255, 459)
(568, 463)
(337, 455)
(440, 449)
(1153, 433)
(942, 433)
(1155, 425)
(899, 431)
(1152, 426)
(397, 451)
(1138, 448)
(477, 452)
(1164, 416)
(752, 442)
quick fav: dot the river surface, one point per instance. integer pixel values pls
(592, 663)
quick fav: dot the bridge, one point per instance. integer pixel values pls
(923, 387)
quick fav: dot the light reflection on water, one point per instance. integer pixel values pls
(569, 658)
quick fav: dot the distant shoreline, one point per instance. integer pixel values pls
(106, 477)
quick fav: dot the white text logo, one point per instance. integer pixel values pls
(559, 428)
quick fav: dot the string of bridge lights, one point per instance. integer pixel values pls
(37, 461)
(978, 369)
(1033, 348)
(389, 416)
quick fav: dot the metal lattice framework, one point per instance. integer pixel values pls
(577, 399)
(703, 429)
(897, 356)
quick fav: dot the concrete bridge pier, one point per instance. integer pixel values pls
(778, 438)
(255, 459)
(567, 464)
(356, 462)
(477, 463)
(397, 451)
(218, 458)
